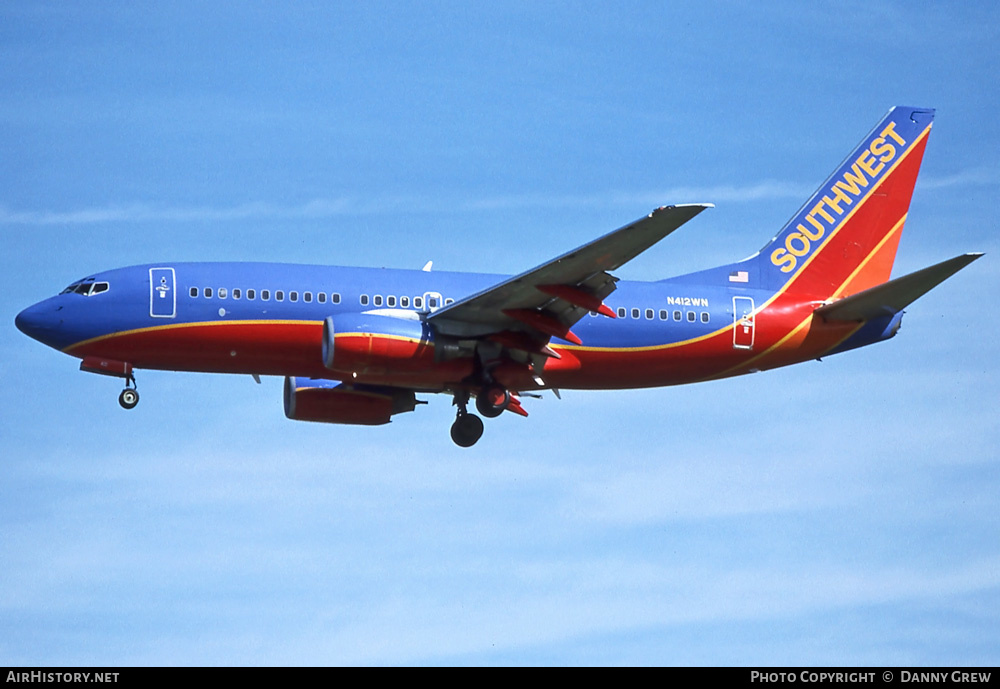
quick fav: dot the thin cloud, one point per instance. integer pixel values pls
(375, 206)
(975, 177)
(346, 206)
(140, 212)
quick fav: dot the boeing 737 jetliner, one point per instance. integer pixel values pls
(357, 345)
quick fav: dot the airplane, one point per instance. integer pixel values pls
(357, 345)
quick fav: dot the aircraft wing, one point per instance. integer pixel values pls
(547, 300)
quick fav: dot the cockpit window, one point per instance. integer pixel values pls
(87, 288)
(81, 287)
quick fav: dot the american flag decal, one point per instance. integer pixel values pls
(739, 276)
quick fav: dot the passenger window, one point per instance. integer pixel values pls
(677, 315)
(432, 302)
(222, 293)
(320, 297)
(279, 295)
(404, 302)
(194, 291)
(664, 316)
(364, 300)
(704, 316)
(418, 302)
(649, 314)
(307, 296)
(635, 313)
(621, 312)
(265, 295)
(236, 293)
(449, 300)
(293, 296)
(335, 297)
(377, 301)
(251, 294)
(208, 292)
(390, 302)
(691, 316)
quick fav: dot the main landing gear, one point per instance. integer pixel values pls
(467, 429)
(491, 401)
(129, 396)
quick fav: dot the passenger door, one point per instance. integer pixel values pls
(162, 293)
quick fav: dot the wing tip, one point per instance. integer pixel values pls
(699, 206)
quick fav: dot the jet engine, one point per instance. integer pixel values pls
(328, 401)
(360, 343)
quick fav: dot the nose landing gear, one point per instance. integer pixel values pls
(129, 397)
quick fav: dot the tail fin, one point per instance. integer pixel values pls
(844, 239)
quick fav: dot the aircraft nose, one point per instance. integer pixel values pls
(38, 320)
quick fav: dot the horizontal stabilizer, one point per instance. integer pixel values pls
(893, 296)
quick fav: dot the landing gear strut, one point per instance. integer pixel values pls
(129, 396)
(468, 428)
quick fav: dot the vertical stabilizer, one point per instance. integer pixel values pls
(844, 239)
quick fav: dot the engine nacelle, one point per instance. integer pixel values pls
(327, 401)
(371, 343)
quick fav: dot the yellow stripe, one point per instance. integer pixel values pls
(870, 256)
(784, 288)
(799, 327)
(176, 326)
(646, 348)
(808, 319)
(847, 217)
(777, 345)
(836, 292)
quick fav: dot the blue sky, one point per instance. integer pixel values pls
(842, 512)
